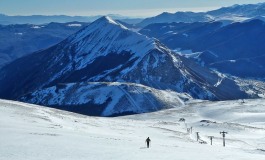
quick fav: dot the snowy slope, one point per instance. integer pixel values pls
(40, 133)
(106, 99)
(106, 36)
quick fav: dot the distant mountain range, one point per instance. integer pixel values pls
(113, 69)
(20, 40)
(237, 49)
(175, 17)
(236, 13)
(43, 19)
(246, 10)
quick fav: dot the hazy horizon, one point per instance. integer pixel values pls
(135, 9)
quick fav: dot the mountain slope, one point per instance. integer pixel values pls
(106, 51)
(106, 99)
(236, 49)
(181, 35)
(62, 135)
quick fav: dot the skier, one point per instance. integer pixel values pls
(148, 140)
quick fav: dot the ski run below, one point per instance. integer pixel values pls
(30, 132)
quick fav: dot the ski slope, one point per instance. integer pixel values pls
(38, 133)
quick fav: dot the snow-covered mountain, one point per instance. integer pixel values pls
(245, 10)
(106, 51)
(236, 49)
(106, 99)
(34, 132)
(235, 13)
(166, 17)
(20, 40)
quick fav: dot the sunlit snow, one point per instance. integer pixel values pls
(39, 133)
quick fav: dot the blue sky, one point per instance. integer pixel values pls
(136, 8)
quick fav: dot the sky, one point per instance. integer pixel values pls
(133, 8)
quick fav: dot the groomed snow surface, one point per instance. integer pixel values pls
(30, 132)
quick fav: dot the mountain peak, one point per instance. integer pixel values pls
(99, 26)
(106, 36)
(107, 20)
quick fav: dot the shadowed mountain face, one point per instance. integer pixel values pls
(106, 51)
(236, 49)
(19, 40)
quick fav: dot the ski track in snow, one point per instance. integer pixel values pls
(38, 133)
